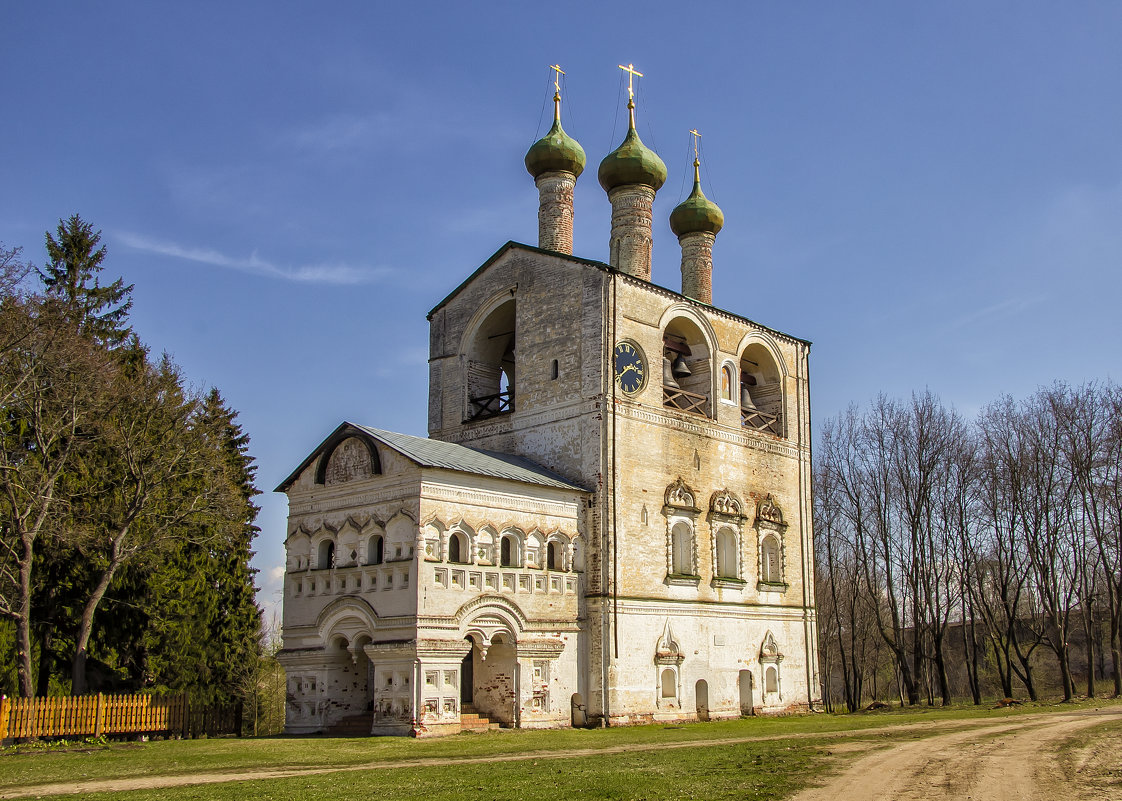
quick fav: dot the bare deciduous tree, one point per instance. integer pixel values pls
(1007, 531)
(54, 386)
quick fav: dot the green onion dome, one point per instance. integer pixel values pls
(697, 212)
(556, 151)
(632, 163)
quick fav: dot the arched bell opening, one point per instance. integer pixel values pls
(686, 367)
(489, 364)
(761, 391)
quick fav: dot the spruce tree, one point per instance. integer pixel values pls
(71, 279)
(203, 632)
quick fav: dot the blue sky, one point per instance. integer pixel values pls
(930, 192)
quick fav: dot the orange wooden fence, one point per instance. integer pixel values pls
(96, 715)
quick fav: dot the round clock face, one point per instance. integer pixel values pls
(630, 367)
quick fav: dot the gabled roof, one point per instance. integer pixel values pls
(445, 455)
(511, 244)
(599, 265)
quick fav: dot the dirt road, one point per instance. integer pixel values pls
(1016, 760)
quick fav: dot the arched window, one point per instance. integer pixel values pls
(681, 537)
(771, 679)
(455, 548)
(508, 552)
(726, 382)
(669, 684)
(375, 548)
(771, 567)
(326, 555)
(553, 556)
(727, 563)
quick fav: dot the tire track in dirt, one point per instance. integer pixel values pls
(1011, 761)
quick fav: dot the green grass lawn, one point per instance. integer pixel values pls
(765, 769)
(749, 772)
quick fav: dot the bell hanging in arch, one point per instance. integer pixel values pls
(680, 369)
(668, 374)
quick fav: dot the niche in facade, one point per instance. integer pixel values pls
(489, 364)
(347, 458)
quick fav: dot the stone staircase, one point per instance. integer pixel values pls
(471, 720)
(352, 726)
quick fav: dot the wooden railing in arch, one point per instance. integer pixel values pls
(491, 405)
(677, 398)
(751, 417)
(114, 715)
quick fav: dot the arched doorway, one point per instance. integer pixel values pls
(489, 683)
(467, 675)
(350, 675)
(746, 705)
(577, 713)
(364, 670)
(701, 699)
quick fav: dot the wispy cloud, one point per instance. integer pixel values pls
(343, 274)
(1004, 308)
(339, 132)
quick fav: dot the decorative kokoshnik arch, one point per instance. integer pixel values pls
(488, 618)
(349, 618)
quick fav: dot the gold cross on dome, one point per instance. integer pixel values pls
(557, 77)
(631, 74)
(696, 137)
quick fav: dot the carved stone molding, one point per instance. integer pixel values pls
(494, 501)
(726, 504)
(679, 495)
(667, 650)
(768, 511)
